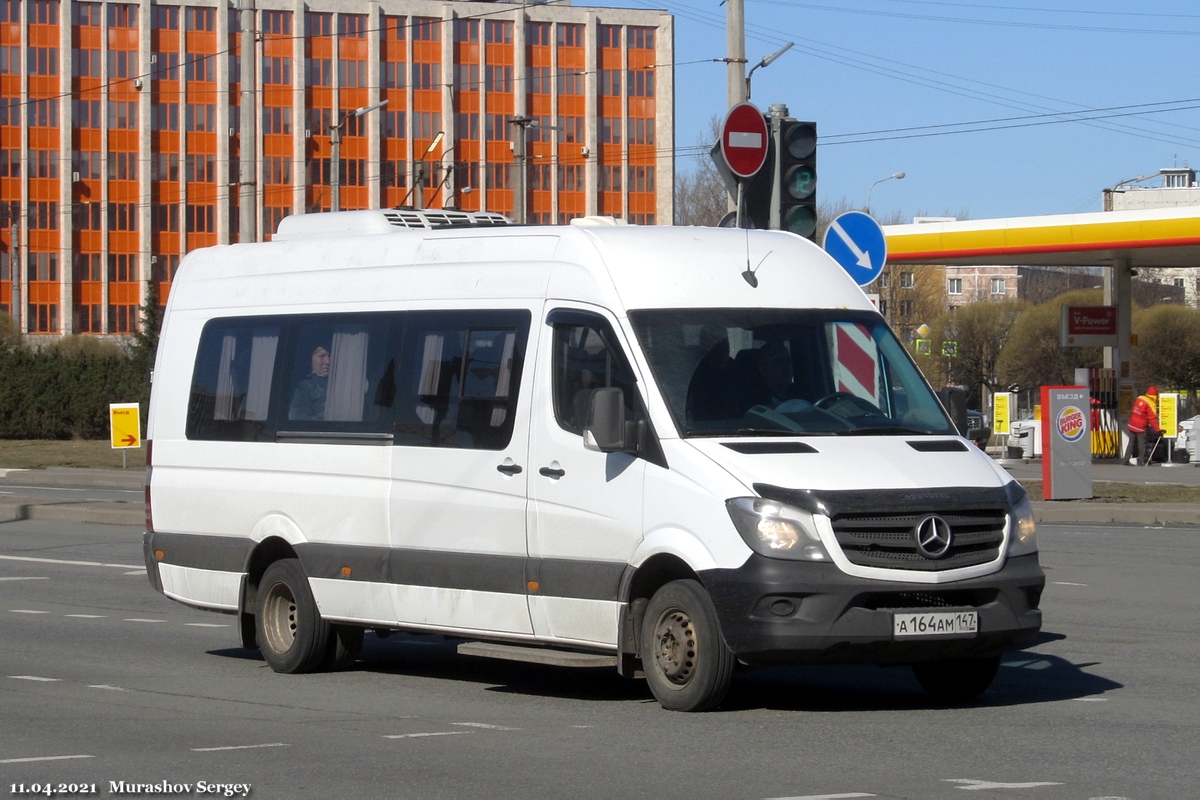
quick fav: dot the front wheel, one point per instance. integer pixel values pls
(957, 680)
(291, 633)
(686, 661)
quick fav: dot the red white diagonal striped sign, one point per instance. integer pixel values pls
(857, 361)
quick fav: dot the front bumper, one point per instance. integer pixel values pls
(773, 611)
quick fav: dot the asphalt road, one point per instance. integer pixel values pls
(103, 681)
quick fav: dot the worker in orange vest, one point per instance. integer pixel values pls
(1144, 429)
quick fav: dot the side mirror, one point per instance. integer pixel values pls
(607, 430)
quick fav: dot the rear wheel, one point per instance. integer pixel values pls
(686, 662)
(957, 680)
(291, 633)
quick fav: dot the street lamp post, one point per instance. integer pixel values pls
(418, 190)
(335, 153)
(897, 176)
(766, 62)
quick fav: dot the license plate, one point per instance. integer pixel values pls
(942, 623)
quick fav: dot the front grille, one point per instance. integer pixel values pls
(886, 540)
(892, 601)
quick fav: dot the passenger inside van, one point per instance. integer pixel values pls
(308, 398)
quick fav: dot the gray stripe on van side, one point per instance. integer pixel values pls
(481, 572)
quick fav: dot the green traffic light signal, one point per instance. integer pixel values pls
(798, 178)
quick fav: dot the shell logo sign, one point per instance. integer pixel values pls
(1071, 423)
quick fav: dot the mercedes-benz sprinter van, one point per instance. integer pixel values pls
(673, 450)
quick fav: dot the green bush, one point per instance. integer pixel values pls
(64, 392)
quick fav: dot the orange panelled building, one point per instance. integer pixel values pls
(121, 130)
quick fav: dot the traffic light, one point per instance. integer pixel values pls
(798, 177)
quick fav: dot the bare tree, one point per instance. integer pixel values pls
(1168, 351)
(700, 196)
(1032, 355)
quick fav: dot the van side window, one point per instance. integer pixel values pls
(586, 358)
(231, 384)
(457, 379)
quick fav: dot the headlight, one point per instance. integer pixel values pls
(1023, 539)
(776, 530)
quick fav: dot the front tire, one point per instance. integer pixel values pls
(291, 633)
(686, 661)
(957, 680)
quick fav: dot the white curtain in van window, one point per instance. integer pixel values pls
(347, 376)
(224, 407)
(502, 385)
(262, 365)
(431, 373)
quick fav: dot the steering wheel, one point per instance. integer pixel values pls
(865, 408)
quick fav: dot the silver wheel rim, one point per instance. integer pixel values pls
(279, 617)
(675, 647)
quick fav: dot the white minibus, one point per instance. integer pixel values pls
(676, 451)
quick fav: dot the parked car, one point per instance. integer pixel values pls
(979, 427)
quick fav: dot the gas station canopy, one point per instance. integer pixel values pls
(1158, 237)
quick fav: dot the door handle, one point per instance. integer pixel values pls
(550, 472)
(509, 469)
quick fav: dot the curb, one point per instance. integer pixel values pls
(98, 512)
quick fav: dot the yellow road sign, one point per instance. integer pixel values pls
(1168, 414)
(125, 425)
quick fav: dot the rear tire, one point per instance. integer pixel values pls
(291, 633)
(686, 661)
(957, 680)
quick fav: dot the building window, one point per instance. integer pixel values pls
(907, 307)
(998, 286)
(955, 286)
(906, 280)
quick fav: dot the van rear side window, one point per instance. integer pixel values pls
(423, 378)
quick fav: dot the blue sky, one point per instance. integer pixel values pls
(997, 79)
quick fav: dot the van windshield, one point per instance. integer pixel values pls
(762, 372)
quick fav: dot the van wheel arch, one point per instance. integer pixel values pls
(638, 586)
(265, 553)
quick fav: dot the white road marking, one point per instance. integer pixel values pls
(825, 796)
(136, 572)
(484, 725)
(423, 735)
(26, 611)
(85, 616)
(1068, 583)
(974, 785)
(238, 747)
(137, 619)
(106, 686)
(70, 563)
(24, 579)
(39, 758)
(34, 678)
(1028, 664)
(1091, 699)
(206, 625)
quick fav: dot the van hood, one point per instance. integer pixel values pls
(854, 462)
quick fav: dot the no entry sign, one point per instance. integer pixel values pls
(744, 139)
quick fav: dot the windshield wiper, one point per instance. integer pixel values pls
(891, 430)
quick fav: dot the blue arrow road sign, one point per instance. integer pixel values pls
(856, 242)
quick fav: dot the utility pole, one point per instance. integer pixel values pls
(521, 124)
(735, 50)
(248, 141)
